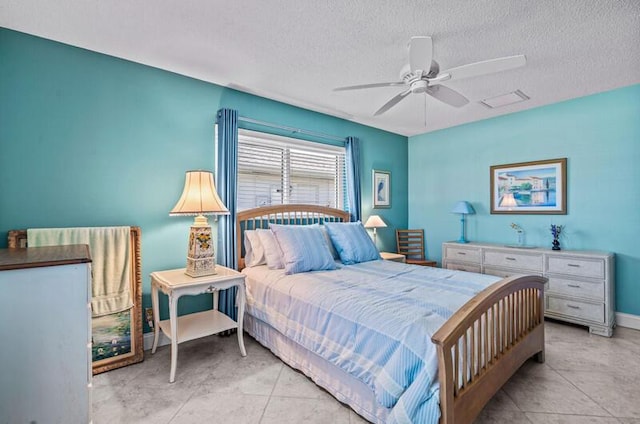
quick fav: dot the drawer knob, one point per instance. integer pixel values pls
(510, 259)
(573, 306)
(461, 253)
(211, 289)
(575, 286)
(574, 265)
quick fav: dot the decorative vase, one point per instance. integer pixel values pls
(556, 244)
(520, 238)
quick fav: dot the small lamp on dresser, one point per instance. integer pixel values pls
(464, 208)
(199, 198)
(374, 222)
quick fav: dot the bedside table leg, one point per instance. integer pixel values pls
(173, 319)
(156, 318)
(240, 300)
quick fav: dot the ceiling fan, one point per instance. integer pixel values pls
(422, 75)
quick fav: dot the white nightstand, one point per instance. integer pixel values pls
(396, 257)
(175, 283)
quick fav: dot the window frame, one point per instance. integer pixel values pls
(340, 201)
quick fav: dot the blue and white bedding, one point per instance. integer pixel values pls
(374, 320)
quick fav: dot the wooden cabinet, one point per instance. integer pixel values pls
(45, 317)
(581, 284)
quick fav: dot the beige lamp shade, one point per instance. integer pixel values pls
(199, 196)
(374, 221)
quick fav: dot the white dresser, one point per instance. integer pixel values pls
(581, 283)
(45, 330)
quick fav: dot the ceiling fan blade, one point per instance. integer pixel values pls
(420, 54)
(379, 84)
(485, 67)
(447, 95)
(391, 103)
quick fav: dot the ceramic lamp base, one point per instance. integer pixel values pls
(201, 259)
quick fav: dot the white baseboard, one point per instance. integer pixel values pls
(148, 340)
(628, 320)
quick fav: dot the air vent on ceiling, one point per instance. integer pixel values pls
(505, 99)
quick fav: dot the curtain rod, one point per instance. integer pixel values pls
(291, 129)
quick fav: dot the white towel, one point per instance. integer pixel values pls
(110, 249)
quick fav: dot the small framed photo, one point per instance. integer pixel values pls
(381, 183)
(538, 187)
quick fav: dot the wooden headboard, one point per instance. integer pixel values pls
(251, 219)
(18, 239)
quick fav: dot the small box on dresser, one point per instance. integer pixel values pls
(581, 286)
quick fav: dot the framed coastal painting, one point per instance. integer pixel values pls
(381, 189)
(538, 187)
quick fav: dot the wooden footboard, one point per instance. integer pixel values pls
(485, 342)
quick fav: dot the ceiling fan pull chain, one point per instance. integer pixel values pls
(425, 110)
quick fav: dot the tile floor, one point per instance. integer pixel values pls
(586, 379)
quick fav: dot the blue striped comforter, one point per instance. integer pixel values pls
(374, 320)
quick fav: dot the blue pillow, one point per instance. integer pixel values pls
(352, 242)
(327, 238)
(303, 248)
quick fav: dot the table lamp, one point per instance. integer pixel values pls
(464, 208)
(199, 198)
(374, 222)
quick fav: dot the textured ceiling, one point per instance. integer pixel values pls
(297, 51)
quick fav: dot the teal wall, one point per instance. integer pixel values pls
(90, 140)
(600, 137)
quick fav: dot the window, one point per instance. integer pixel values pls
(275, 170)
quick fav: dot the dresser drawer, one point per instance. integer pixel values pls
(466, 254)
(463, 267)
(516, 260)
(593, 268)
(576, 309)
(576, 288)
(504, 273)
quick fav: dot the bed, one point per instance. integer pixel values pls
(495, 327)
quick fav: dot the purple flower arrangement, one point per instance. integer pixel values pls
(556, 230)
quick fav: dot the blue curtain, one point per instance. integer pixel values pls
(227, 185)
(352, 147)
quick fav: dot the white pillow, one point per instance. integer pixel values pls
(254, 251)
(271, 249)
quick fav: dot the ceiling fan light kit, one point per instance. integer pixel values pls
(422, 75)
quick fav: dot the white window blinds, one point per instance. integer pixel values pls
(274, 170)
